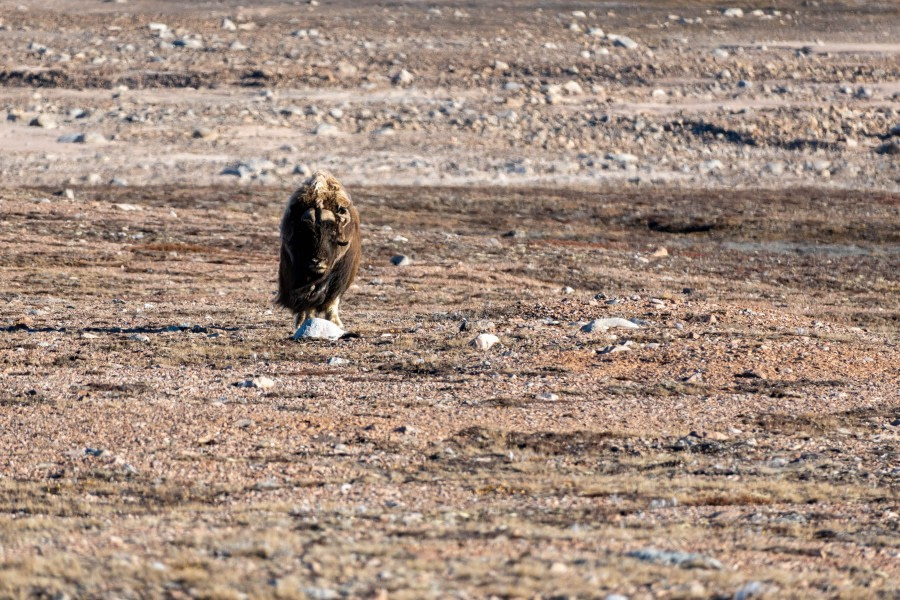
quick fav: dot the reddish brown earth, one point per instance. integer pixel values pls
(743, 442)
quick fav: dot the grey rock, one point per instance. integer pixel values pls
(625, 42)
(138, 337)
(249, 168)
(82, 138)
(605, 324)
(204, 133)
(708, 166)
(189, 43)
(891, 148)
(403, 77)
(318, 329)
(44, 121)
(326, 130)
(688, 560)
(400, 260)
(337, 361)
(751, 589)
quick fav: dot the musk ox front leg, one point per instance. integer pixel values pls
(331, 312)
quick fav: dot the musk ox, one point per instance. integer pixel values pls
(320, 249)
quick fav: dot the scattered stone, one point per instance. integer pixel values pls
(775, 168)
(596, 32)
(400, 260)
(337, 361)
(262, 383)
(480, 325)
(752, 589)
(708, 166)
(237, 46)
(660, 252)
(600, 325)
(623, 41)
(118, 182)
(204, 133)
(138, 337)
(249, 168)
(82, 138)
(326, 130)
(403, 78)
(614, 348)
(127, 207)
(720, 53)
(688, 560)
(228, 25)
(548, 396)
(188, 43)
(623, 158)
(484, 341)
(318, 329)
(568, 290)
(733, 12)
(43, 121)
(573, 88)
(891, 148)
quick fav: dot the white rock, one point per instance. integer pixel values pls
(326, 130)
(626, 42)
(43, 121)
(337, 361)
(228, 25)
(127, 207)
(404, 77)
(623, 158)
(604, 324)
(573, 87)
(262, 382)
(318, 329)
(708, 166)
(484, 341)
(596, 32)
(733, 12)
(549, 396)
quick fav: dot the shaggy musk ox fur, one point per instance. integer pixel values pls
(320, 249)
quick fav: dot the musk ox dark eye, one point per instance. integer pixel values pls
(342, 210)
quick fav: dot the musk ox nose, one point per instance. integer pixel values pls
(318, 266)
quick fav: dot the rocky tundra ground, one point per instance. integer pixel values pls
(680, 220)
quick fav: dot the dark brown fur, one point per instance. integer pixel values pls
(320, 248)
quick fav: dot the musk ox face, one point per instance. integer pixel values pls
(327, 234)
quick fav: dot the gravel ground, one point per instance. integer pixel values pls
(732, 434)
